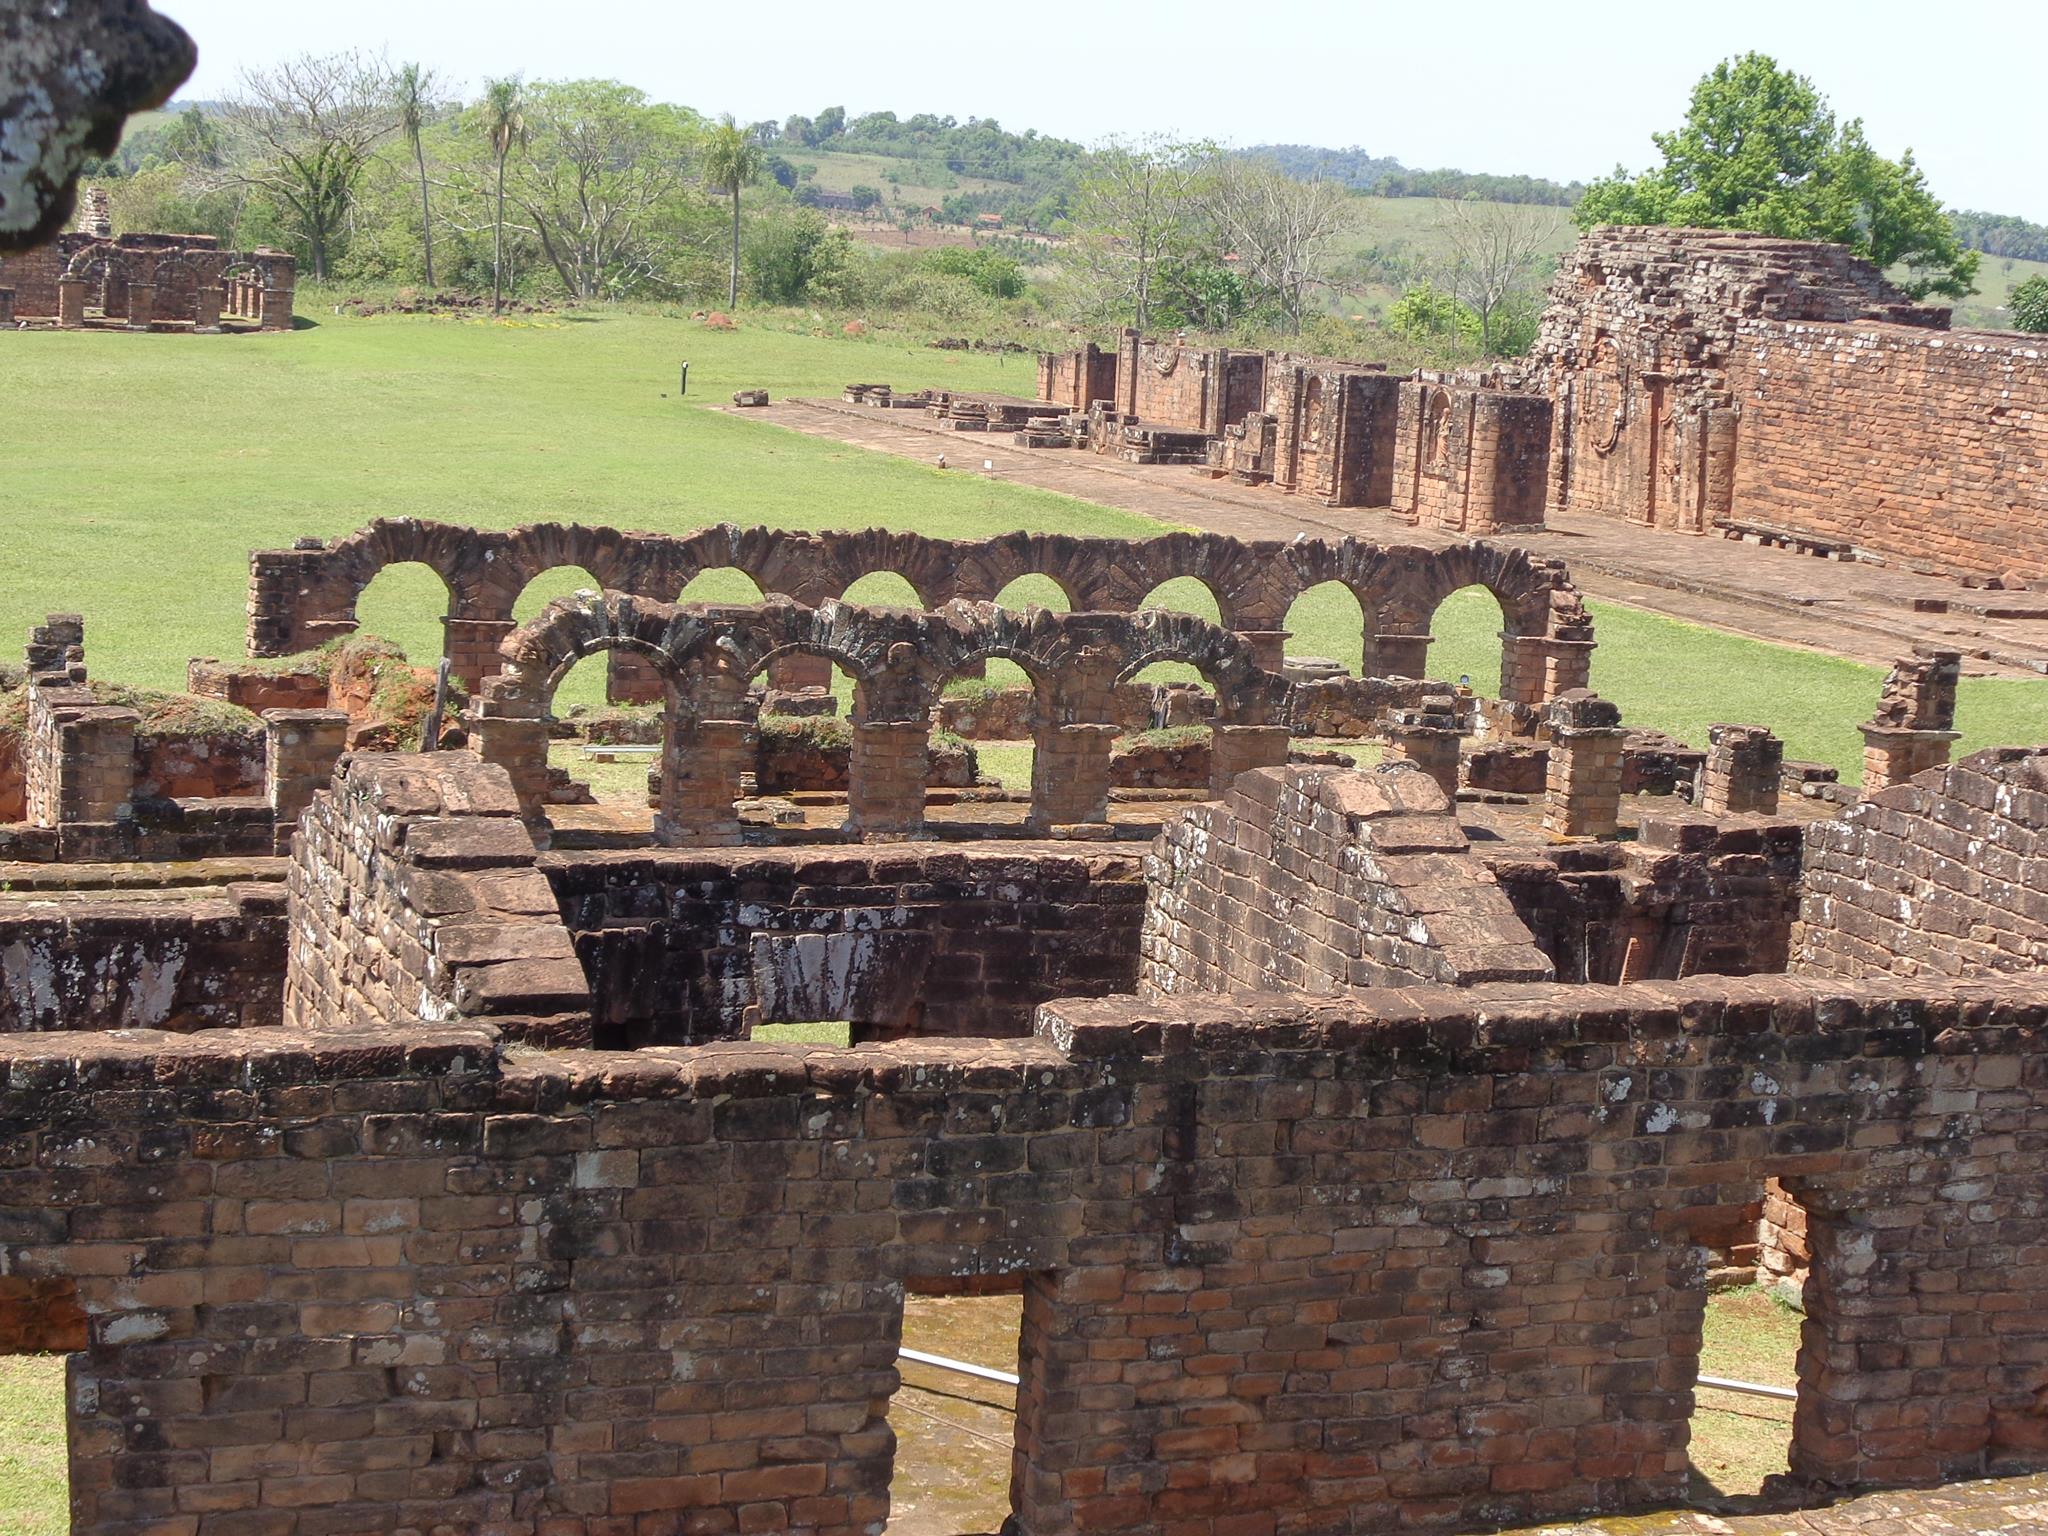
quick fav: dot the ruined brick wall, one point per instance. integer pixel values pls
(1200, 389)
(413, 894)
(907, 939)
(177, 265)
(1077, 379)
(1692, 895)
(1705, 377)
(1945, 875)
(383, 1280)
(1326, 880)
(1469, 459)
(169, 960)
(1930, 446)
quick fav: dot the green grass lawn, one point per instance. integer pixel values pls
(34, 1481)
(143, 469)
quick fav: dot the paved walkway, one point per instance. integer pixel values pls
(1867, 613)
(2012, 1506)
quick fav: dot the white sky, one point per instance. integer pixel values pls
(1551, 89)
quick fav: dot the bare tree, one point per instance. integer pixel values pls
(302, 132)
(1136, 205)
(1282, 232)
(1491, 252)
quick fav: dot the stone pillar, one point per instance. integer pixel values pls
(1236, 749)
(6, 306)
(206, 302)
(1070, 775)
(301, 747)
(1568, 666)
(1400, 655)
(1524, 668)
(1417, 737)
(630, 678)
(702, 766)
(796, 670)
(96, 765)
(885, 799)
(471, 646)
(275, 313)
(519, 744)
(71, 303)
(141, 305)
(1740, 775)
(1892, 756)
(1582, 794)
(1914, 726)
(1269, 646)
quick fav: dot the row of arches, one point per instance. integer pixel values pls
(899, 662)
(305, 595)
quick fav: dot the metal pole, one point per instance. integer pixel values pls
(683, 382)
(1753, 1389)
(961, 1366)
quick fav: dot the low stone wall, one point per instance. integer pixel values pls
(101, 960)
(365, 1282)
(903, 939)
(413, 893)
(1326, 880)
(1945, 875)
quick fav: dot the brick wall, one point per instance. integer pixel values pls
(170, 960)
(904, 939)
(1409, 1257)
(1945, 875)
(1468, 459)
(1705, 377)
(177, 264)
(1325, 880)
(413, 893)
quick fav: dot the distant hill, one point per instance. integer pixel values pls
(1384, 176)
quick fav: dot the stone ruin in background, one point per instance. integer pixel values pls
(1360, 1142)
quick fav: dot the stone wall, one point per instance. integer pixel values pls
(1470, 459)
(171, 960)
(182, 279)
(907, 939)
(1945, 875)
(413, 894)
(1707, 377)
(1324, 880)
(1405, 1258)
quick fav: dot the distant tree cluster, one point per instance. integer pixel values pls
(1760, 149)
(1384, 176)
(2000, 234)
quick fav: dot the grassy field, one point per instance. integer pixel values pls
(143, 470)
(922, 181)
(34, 1482)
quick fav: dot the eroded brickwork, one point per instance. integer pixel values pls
(1325, 880)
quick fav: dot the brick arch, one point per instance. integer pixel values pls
(538, 655)
(106, 255)
(1246, 694)
(349, 565)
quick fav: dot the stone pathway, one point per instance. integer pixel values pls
(1866, 613)
(2011, 1506)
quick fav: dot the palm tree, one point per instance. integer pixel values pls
(504, 113)
(731, 160)
(414, 88)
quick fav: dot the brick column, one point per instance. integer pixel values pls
(6, 306)
(885, 799)
(206, 303)
(471, 646)
(519, 745)
(1269, 646)
(1236, 749)
(1524, 668)
(1582, 793)
(1740, 775)
(276, 311)
(1070, 775)
(630, 678)
(800, 669)
(1892, 756)
(96, 764)
(71, 303)
(300, 749)
(1430, 747)
(1400, 655)
(1567, 666)
(702, 765)
(141, 305)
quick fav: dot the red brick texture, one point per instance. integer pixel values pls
(1322, 880)
(1404, 1258)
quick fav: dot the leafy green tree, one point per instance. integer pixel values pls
(414, 89)
(503, 114)
(731, 160)
(865, 197)
(796, 256)
(1760, 150)
(1138, 205)
(2029, 305)
(1428, 312)
(995, 275)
